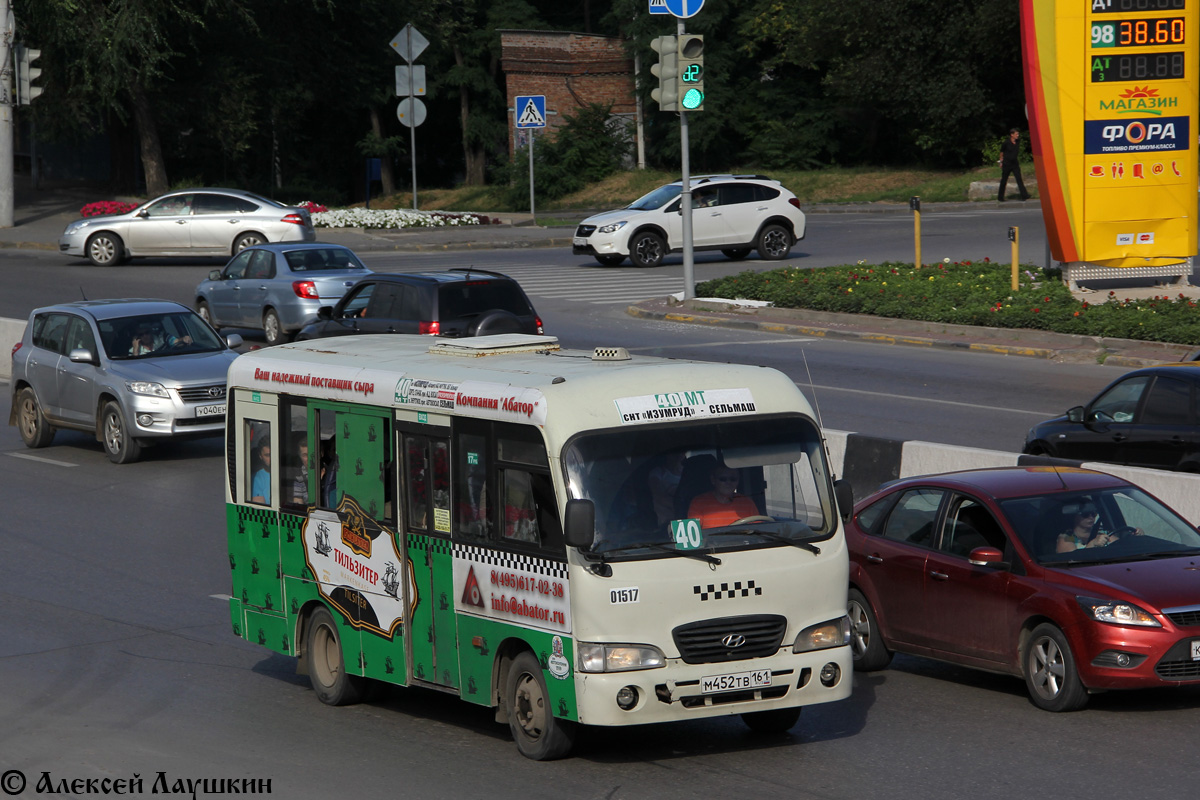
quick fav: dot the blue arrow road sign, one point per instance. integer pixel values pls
(683, 8)
(530, 111)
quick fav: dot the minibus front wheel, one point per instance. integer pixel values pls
(538, 733)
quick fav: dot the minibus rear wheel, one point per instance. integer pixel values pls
(326, 666)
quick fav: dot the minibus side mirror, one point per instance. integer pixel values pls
(844, 493)
(579, 529)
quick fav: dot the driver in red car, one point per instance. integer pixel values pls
(721, 506)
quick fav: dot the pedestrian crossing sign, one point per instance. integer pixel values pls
(530, 111)
(658, 7)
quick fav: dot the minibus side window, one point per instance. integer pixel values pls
(471, 487)
(296, 461)
(258, 461)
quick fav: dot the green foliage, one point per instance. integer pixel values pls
(965, 293)
(587, 148)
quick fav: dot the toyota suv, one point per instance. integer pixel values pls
(731, 213)
(132, 372)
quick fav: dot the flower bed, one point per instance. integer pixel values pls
(965, 293)
(105, 207)
(393, 218)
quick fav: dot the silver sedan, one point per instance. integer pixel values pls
(278, 288)
(191, 222)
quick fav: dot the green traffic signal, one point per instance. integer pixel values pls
(693, 99)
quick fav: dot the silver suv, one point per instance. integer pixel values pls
(129, 371)
(731, 213)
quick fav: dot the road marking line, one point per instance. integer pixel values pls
(895, 396)
(755, 343)
(224, 598)
(43, 460)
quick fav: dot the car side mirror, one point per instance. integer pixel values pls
(844, 492)
(234, 340)
(579, 528)
(325, 313)
(144, 213)
(215, 275)
(81, 355)
(987, 557)
(1075, 414)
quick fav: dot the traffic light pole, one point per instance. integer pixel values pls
(689, 276)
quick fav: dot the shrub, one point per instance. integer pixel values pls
(965, 293)
(104, 207)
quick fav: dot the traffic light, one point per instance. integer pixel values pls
(691, 72)
(667, 72)
(27, 74)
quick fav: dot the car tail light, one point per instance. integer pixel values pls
(16, 347)
(538, 322)
(431, 328)
(305, 289)
(794, 201)
(295, 219)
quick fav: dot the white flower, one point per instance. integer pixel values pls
(945, 260)
(390, 218)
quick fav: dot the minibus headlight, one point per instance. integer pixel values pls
(594, 657)
(835, 633)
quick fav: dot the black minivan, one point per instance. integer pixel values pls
(456, 303)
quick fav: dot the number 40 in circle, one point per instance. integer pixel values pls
(687, 533)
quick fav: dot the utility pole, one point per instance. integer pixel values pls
(7, 101)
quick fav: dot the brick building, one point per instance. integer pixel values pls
(572, 70)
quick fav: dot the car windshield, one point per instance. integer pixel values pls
(656, 199)
(1076, 527)
(642, 479)
(323, 258)
(157, 335)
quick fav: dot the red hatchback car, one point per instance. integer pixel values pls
(1076, 580)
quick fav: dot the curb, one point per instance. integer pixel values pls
(794, 329)
(830, 333)
(29, 246)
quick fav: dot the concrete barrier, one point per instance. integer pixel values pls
(11, 331)
(869, 461)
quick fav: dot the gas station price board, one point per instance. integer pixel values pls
(1111, 88)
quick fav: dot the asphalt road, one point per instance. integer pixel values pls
(116, 654)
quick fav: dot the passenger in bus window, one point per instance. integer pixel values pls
(721, 506)
(520, 513)
(329, 468)
(300, 482)
(260, 487)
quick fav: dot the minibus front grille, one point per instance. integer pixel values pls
(713, 641)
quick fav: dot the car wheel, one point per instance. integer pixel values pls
(491, 323)
(105, 249)
(737, 254)
(647, 249)
(120, 446)
(206, 314)
(778, 720)
(538, 733)
(866, 644)
(273, 328)
(35, 431)
(610, 261)
(246, 240)
(326, 665)
(774, 243)
(1050, 672)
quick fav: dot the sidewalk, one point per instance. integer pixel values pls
(41, 216)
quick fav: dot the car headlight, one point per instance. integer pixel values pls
(148, 388)
(611, 227)
(75, 227)
(594, 657)
(835, 633)
(1117, 613)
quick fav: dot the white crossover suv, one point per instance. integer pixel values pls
(731, 213)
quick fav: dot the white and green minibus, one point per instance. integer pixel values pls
(568, 537)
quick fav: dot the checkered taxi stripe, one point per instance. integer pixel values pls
(727, 591)
(498, 558)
